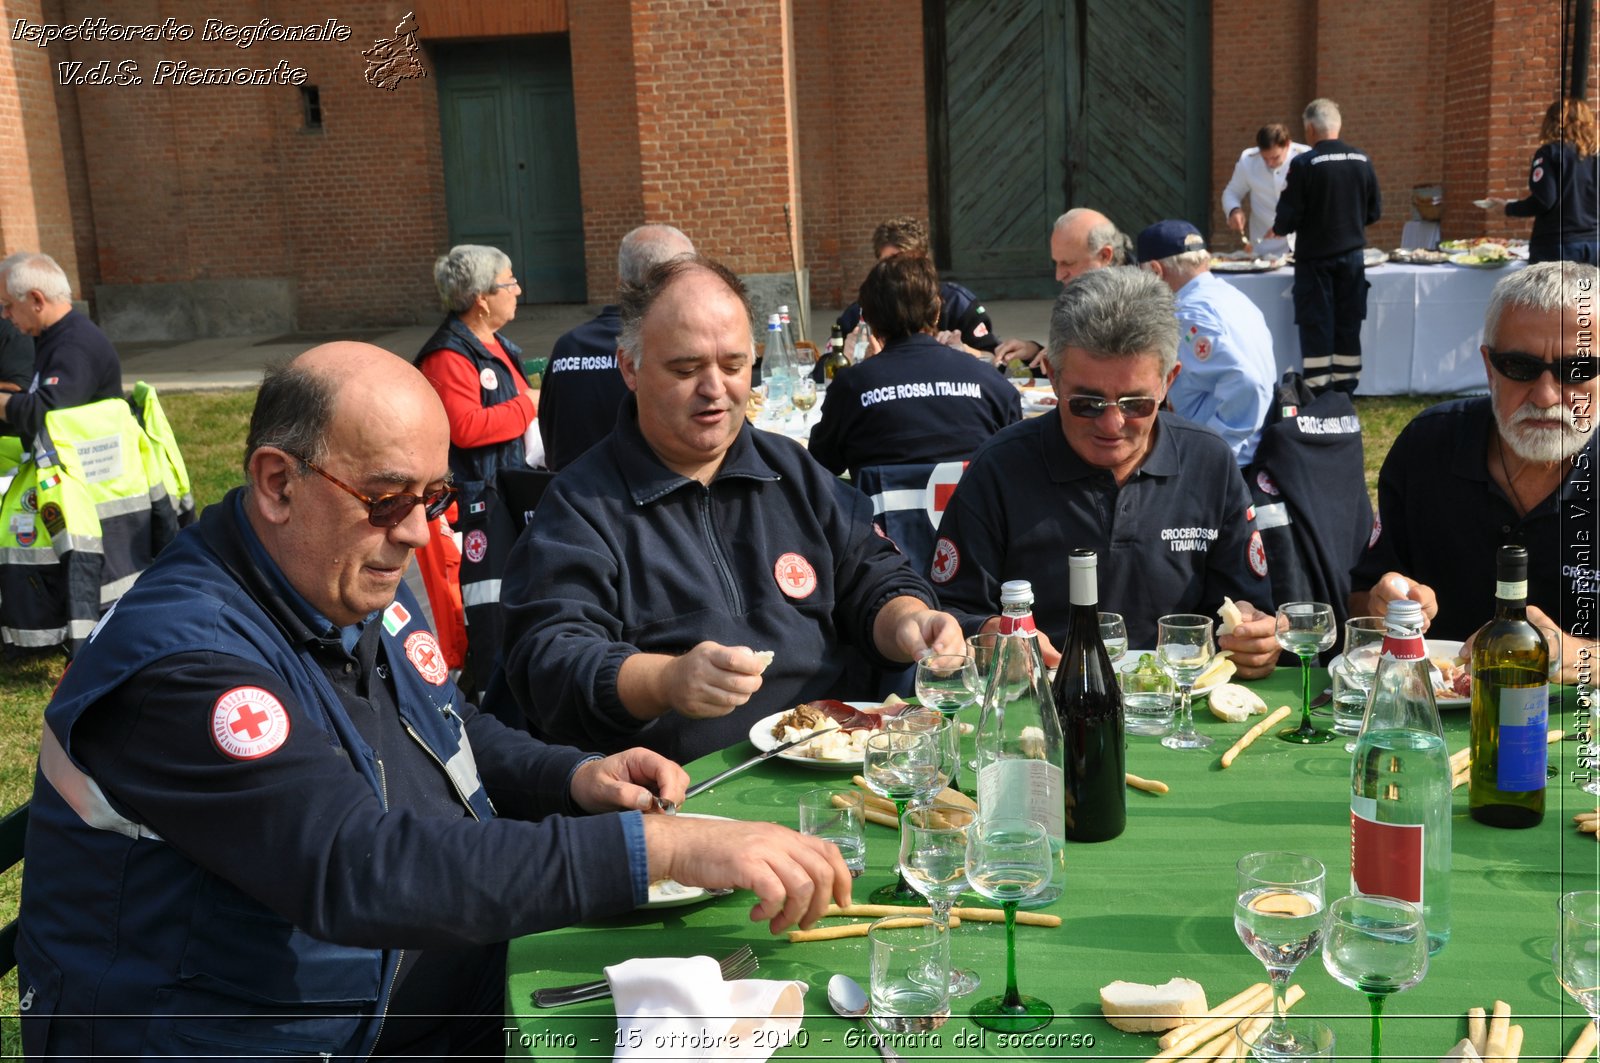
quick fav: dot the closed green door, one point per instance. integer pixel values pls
(511, 159)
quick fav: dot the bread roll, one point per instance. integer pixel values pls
(1235, 703)
(1139, 1008)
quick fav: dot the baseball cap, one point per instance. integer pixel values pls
(1167, 238)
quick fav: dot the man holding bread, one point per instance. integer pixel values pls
(659, 563)
(1158, 498)
(266, 822)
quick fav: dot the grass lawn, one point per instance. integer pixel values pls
(211, 428)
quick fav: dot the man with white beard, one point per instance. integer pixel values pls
(1515, 467)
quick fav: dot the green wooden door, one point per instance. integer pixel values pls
(511, 159)
(1035, 106)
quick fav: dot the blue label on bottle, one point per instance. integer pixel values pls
(1524, 723)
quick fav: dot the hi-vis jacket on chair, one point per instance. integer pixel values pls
(87, 511)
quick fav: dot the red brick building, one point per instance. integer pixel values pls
(551, 127)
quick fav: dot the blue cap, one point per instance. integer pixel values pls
(1167, 238)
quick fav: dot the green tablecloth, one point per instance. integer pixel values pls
(1150, 905)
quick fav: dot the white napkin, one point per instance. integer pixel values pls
(673, 1008)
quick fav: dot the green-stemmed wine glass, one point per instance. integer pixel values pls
(1008, 860)
(1377, 945)
(1305, 629)
(903, 766)
(1576, 955)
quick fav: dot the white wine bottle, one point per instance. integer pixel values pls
(1510, 705)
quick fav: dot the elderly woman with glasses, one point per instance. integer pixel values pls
(491, 410)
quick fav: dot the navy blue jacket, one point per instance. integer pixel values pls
(182, 900)
(625, 556)
(916, 401)
(581, 390)
(474, 467)
(1331, 197)
(1442, 521)
(1561, 200)
(16, 355)
(1175, 538)
(73, 364)
(959, 311)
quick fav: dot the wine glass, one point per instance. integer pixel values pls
(904, 767)
(948, 682)
(1576, 955)
(804, 394)
(1114, 633)
(1377, 945)
(943, 730)
(1353, 673)
(981, 648)
(1305, 629)
(1008, 860)
(1278, 916)
(1184, 648)
(933, 858)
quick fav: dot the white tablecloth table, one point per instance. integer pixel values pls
(1423, 327)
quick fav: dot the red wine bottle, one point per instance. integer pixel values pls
(1089, 706)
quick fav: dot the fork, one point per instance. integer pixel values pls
(736, 964)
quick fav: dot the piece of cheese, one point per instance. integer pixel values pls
(1220, 670)
(764, 656)
(1139, 1008)
(1231, 616)
(1235, 703)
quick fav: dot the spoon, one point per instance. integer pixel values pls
(849, 1001)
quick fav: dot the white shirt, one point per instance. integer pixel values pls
(1252, 177)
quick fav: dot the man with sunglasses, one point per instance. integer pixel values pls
(262, 823)
(1159, 498)
(1517, 467)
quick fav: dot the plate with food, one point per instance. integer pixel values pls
(1245, 262)
(839, 751)
(670, 893)
(1038, 399)
(1452, 682)
(1373, 256)
(1219, 671)
(1417, 256)
(1476, 260)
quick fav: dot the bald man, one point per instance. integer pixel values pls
(1081, 240)
(262, 822)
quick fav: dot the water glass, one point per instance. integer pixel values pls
(838, 816)
(1184, 646)
(1147, 699)
(981, 648)
(1309, 1040)
(910, 973)
(1114, 633)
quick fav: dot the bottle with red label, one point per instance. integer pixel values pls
(1400, 782)
(1020, 756)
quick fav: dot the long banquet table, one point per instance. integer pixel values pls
(1423, 327)
(1151, 905)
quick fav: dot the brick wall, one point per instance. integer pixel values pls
(605, 99)
(35, 214)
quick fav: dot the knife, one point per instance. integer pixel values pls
(701, 787)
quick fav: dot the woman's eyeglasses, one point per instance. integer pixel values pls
(386, 511)
(1524, 368)
(1090, 406)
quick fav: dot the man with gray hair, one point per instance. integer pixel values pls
(73, 361)
(690, 575)
(1330, 199)
(1226, 368)
(1159, 499)
(582, 389)
(1515, 467)
(1081, 240)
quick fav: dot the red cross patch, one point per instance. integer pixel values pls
(247, 723)
(980, 330)
(1264, 482)
(1538, 174)
(1258, 555)
(1202, 348)
(475, 545)
(795, 576)
(422, 650)
(946, 561)
(1377, 530)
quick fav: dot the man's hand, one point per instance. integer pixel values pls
(874, 344)
(710, 680)
(1392, 585)
(1047, 649)
(794, 876)
(1030, 353)
(907, 630)
(952, 338)
(626, 781)
(1571, 658)
(1253, 641)
(1236, 219)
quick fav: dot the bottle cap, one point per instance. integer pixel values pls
(1082, 559)
(1511, 565)
(1404, 617)
(774, 321)
(1016, 592)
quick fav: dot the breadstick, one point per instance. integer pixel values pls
(1149, 786)
(1583, 1047)
(1198, 1033)
(882, 819)
(1254, 733)
(1499, 1022)
(874, 800)
(1460, 759)
(1232, 1008)
(1245, 1034)
(995, 915)
(1458, 781)
(1589, 826)
(1581, 816)
(948, 796)
(1477, 1031)
(844, 930)
(1554, 736)
(1514, 1043)
(875, 911)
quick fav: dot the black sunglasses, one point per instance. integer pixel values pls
(1133, 407)
(1523, 368)
(387, 511)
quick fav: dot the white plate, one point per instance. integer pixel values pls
(670, 894)
(1038, 400)
(1130, 661)
(1436, 648)
(761, 738)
